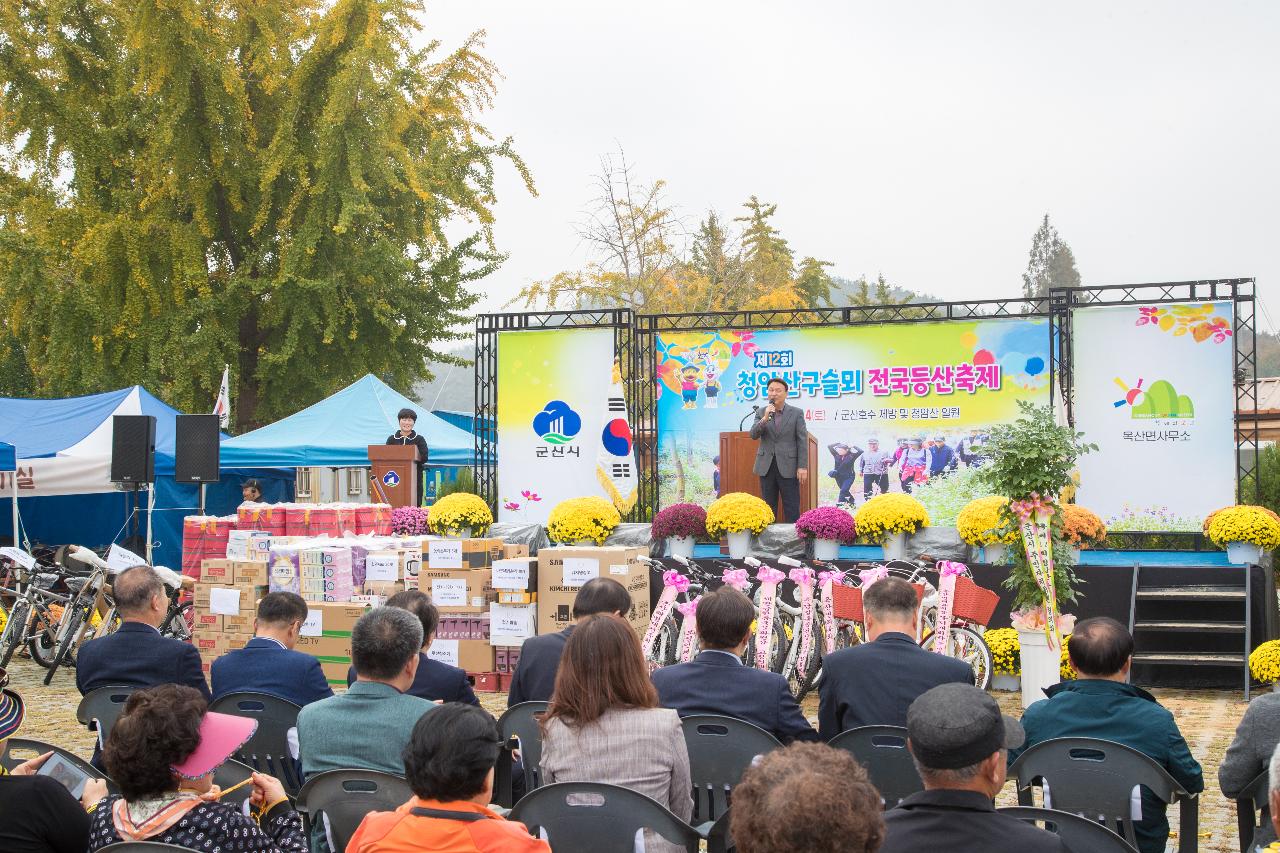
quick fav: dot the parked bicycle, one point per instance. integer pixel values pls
(33, 618)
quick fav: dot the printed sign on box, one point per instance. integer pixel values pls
(449, 592)
(444, 553)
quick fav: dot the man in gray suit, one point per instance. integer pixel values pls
(783, 458)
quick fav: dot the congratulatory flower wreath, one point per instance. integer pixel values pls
(578, 519)
(982, 522)
(891, 513)
(738, 511)
(461, 509)
(1006, 654)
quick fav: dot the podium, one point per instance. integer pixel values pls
(738, 455)
(395, 473)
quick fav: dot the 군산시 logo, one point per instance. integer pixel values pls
(391, 478)
(557, 423)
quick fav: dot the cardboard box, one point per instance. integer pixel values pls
(237, 624)
(214, 645)
(326, 648)
(475, 656)
(335, 672)
(452, 554)
(561, 571)
(515, 574)
(512, 624)
(512, 550)
(458, 590)
(217, 571)
(253, 573)
(207, 623)
(336, 619)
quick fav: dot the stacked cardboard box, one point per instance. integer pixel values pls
(458, 575)
(326, 635)
(226, 599)
(562, 571)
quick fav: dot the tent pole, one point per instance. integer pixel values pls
(151, 503)
(13, 479)
(202, 498)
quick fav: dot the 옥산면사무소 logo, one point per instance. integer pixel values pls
(557, 423)
(1161, 400)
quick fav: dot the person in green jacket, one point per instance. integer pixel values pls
(1102, 704)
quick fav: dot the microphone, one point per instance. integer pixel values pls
(754, 409)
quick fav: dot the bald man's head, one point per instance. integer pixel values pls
(134, 589)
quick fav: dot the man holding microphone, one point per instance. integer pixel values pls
(781, 461)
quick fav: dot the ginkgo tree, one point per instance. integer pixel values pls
(303, 190)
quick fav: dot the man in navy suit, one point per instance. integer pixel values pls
(135, 655)
(873, 684)
(535, 675)
(716, 682)
(268, 663)
(435, 680)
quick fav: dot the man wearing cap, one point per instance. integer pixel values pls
(874, 467)
(38, 814)
(1102, 703)
(959, 742)
(941, 458)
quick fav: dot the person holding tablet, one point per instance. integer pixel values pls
(39, 812)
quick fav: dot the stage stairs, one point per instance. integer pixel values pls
(1192, 624)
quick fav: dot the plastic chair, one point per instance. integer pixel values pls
(518, 722)
(10, 760)
(1253, 809)
(1079, 834)
(232, 772)
(592, 817)
(268, 750)
(717, 834)
(103, 707)
(1095, 777)
(344, 797)
(143, 847)
(720, 750)
(882, 750)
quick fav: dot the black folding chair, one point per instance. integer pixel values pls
(17, 750)
(1094, 777)
(1079, 834)
(268, 750)
(1253, 809)
(591, 817)
(720, 750)
(882, 751)
(344, 797)
(229, 773)
(518, 723)
(103, 707)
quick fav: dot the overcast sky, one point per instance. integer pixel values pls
(923, 140)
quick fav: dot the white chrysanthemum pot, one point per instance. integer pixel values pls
(680, 546)
(1243, 553)
(826, 549)
(739, 544)
(994, 554)
(895, 546)
(1040, 665)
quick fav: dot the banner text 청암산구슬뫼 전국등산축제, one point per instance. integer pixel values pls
(945, 383)
(554, 389)
(1154, 390)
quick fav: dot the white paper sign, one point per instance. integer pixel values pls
(579, 570)
(449, 592)
(444, 553)
(511, 621)
(313, 626)
(19, 556)
(511, 574)
(382, 567)
(445, 651)
(120, 559)
(224, 601)
(616, 569)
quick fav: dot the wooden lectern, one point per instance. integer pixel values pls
(395, 473)
(738, 455)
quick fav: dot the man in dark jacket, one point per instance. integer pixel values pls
(535, 675)
(268, 663)
(959, 741)
(942, 459)
(1102, 704)
(716, 682)
(407, 435)
(873, 684)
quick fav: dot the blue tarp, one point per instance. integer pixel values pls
(337, 432)
(8, 457)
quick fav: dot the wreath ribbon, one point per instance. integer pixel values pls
(769, 579)
(803, 578)
(826, 581)
(673, 584)
(688, 628)
(947, 573)
(1034, 514)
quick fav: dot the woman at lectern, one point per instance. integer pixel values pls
(406, 435)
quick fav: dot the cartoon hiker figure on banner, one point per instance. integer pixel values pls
(689, 383)
(712, 385)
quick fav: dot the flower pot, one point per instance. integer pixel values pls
(1075, 555)
(1040, 665)
(583, 543)
(1244, 553)
(460, 533)
(895, 546)
(739, 544)
(680, 546)
(1008, 683)
(826, 549)
(993, 554)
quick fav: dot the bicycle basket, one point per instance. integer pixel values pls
(973, 602)
(846, 601)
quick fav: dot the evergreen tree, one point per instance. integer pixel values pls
(1051, 263)
(814, 283)
(768, 259)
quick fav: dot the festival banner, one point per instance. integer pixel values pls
(555, 420)
(1154, 390)
(944, 383)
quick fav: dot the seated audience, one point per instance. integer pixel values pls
(874, 683)
(368, 726)
(959, 741)
(604, 723)
(162, 753)
(1273, 803)
(135, 655)
(787, 802)
(716, 682)
(449, 765)
(1251, 751)
(535, 674)
(435, 681)
(1102, 704)
(268, 662)
(38, 814)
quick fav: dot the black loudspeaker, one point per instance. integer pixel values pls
(196, 452)
(133, 449)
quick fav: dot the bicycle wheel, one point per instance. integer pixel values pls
(778, 645)
(76, 618)
(813, 666)
(967, 645)
(14, 629)
(848, 634)
(43, 642)
(179, 623)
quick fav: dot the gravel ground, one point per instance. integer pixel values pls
(1208, 720)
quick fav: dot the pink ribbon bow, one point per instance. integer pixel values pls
(736, 578)
(947, 568)
(688, 608)
(802, 576)
(870, 576)
(829, 577)
(675, 579)
(768, 574)
(1032, 507)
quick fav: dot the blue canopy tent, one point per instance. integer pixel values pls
(9, 465)
(337, 431)
(63, 479)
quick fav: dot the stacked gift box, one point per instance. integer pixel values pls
(226, 600)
